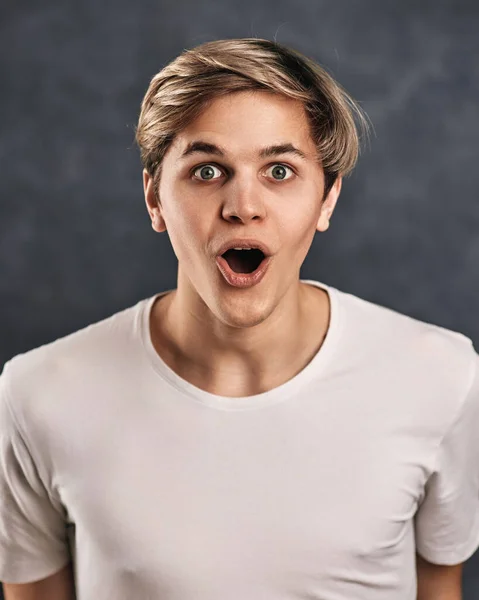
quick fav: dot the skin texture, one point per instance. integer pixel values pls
(438, 582)
(258, 337)
(59, 586)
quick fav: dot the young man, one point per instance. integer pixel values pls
(247, 435)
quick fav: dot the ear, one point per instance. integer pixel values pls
(329, 204)
(152, 203)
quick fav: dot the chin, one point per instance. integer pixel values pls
(242, 316)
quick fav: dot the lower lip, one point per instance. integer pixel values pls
(242, 280)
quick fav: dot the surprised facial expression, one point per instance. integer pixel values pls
(245, 170)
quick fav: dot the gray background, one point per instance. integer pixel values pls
(75, 239)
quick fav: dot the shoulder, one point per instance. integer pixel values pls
(426, 354)
(384, 323)
(72, 359)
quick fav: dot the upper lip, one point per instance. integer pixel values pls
(244, 243)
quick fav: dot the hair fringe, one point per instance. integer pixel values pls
(179, 92)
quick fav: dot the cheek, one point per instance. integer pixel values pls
(299, 228)
(189, 228)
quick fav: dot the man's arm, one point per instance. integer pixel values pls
(59, 586)
(438, 582)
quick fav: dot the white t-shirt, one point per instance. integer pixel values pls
(321, 488)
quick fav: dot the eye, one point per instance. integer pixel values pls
(207, 172)
(279, 172)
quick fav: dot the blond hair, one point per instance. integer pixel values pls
(182, 89)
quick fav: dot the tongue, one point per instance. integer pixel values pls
(243, 261)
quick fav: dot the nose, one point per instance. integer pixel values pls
(243, 201)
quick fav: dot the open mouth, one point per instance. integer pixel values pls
(244, 261)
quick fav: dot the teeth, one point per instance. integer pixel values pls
(242, 248)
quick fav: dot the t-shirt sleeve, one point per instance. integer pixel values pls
(447, 521)
(33, 540)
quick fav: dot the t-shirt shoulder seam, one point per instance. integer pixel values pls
(21, 430)
(52, 346)
(412, 320)
(457, 413)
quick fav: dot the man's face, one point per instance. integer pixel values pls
(212, 194)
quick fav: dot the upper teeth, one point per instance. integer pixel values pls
(242, 248)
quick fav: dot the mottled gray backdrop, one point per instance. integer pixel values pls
(75, 239)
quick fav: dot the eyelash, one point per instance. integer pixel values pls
(218, 167)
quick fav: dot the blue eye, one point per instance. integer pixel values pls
(279, 172)
(207, 172)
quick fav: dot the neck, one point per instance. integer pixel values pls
(234, 361)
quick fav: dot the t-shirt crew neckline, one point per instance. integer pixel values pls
(280, 393)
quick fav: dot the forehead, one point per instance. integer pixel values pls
(247, 120)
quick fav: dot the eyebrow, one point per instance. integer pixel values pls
(207, 148)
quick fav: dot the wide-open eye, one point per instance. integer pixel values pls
(206, 172)
(280, 172)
